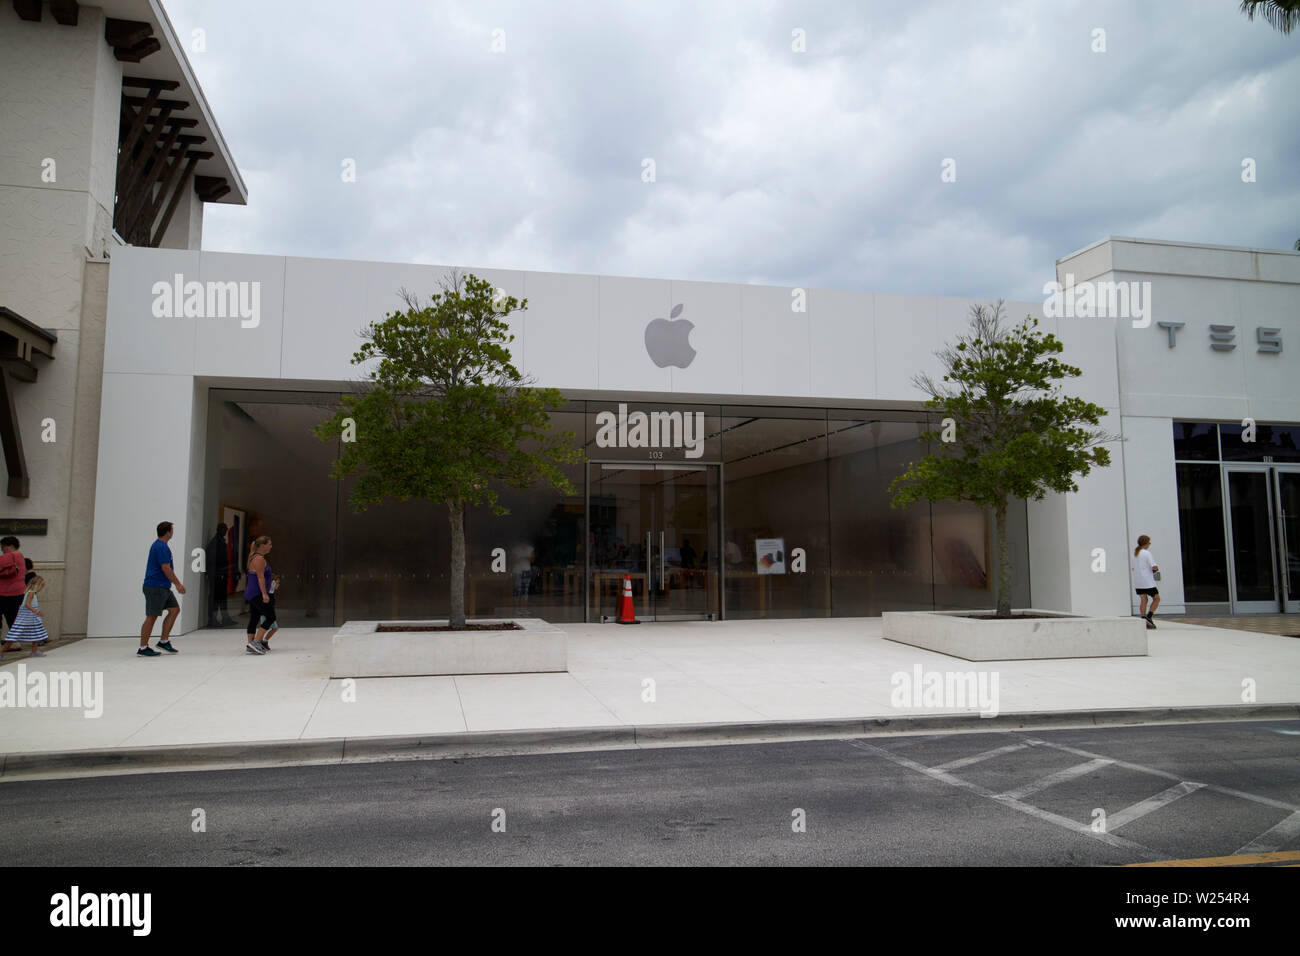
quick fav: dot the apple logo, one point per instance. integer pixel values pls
(668, 342)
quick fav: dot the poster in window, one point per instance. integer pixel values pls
(771, 555)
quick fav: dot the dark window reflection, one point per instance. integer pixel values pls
(1278, 442)
(774, 501)
(1200, 529)
(1196, 441)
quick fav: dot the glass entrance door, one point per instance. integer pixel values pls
(658, 526)
(1252, 541)
(1287, 489)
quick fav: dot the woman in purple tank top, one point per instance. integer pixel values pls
(258, 592)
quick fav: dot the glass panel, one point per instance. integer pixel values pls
(544, 541)
(775, 500)
(1196, 441)
(1252, 544)
(687, 577)
(880, 556)
(1200, 529)
(621, 515)
(1288, 489)
(266, 473)
(394, 560)
(1275, 442)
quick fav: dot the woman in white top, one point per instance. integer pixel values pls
(1144, 578)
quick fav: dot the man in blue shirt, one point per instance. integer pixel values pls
(158, 580)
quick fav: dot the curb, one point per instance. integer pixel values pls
(342, 750)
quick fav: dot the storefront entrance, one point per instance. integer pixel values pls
(658, 525)
(1264, 537)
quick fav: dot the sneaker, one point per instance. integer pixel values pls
(167, 646)
(253, 647)
(1151, 625)
(147, 652)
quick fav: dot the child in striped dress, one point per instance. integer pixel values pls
(28, 627)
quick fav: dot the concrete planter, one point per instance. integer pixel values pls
(1059, 635)
(360, 650)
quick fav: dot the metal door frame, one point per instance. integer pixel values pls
(1270, 486)
(701, 466)
(1290, 602)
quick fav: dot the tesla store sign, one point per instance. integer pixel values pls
(651, 433)
(1223, 338)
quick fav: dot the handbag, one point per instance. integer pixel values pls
(1156, 574)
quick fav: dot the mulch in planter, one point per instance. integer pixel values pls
(988, 616)
(503, 626)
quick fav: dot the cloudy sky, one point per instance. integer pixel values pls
(516, 135)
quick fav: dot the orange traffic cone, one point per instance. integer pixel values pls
(626, 615)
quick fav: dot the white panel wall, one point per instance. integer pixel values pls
(775, 349)
(587, 332)
(1152, 489)
(714, 309)
(626, 306)
(843, 354)
(561, 329)
(144, 477)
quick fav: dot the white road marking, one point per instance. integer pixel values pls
(967, 761)
(1227, 791)
(1272, 839)
(937, 773)
(1061, 776)
(1140, 809)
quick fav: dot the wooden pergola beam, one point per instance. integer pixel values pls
(139, 123)
(125, 33)
(138, 52)
(179, 106)
(167, 86)
(140, 192)
(175, 200)
(65, 12)
(11, 437)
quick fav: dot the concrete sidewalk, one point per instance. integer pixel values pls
(750, 673)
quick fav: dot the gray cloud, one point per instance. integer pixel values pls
(818, 168)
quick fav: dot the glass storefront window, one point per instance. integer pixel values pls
(1196, 441)
(880, 556)
(775, 501)
(1200, 530)
(268, 474)
(1272, 442)
(748, 511)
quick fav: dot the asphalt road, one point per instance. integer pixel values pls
(1168, 792)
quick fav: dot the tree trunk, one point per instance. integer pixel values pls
(1004, 562)
(456, 515)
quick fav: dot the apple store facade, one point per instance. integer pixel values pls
(739, 442)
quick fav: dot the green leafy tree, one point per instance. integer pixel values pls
(1008, 431)
(444, 416)
(1281, 15)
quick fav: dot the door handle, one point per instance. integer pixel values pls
(663, 581)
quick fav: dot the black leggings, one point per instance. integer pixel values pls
(260, 614)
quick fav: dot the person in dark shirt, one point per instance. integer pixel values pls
(218, 558)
